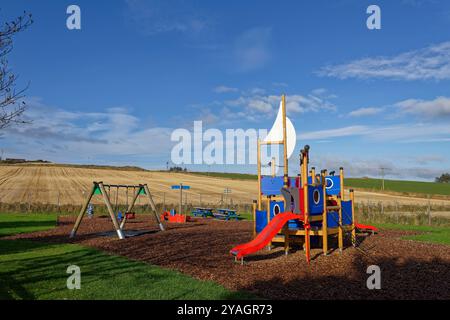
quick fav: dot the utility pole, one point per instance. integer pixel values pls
(382, 176)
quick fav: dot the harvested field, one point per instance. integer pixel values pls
(409, 270)
(66, 185)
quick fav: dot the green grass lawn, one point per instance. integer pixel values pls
(428, 234)
(364, 183)
(23, 223)
(37, 270)
(400, 186)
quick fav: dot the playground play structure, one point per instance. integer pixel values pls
(306, 209)
(99, 188)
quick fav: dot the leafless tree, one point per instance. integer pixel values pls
(11, 104)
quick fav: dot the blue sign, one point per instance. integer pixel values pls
(178, 187)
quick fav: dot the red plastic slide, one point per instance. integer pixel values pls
(267, 234)
(365, 227)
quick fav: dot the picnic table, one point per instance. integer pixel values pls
(226, 214)
(202, 212)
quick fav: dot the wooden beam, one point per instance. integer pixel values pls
(111, 211)
(352, 198)
(82, 212)
(286, 168)
(152, 204)
(325, 216)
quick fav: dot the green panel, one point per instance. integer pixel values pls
(97, 190)
(142, 191)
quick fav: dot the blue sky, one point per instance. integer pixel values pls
(112, 92)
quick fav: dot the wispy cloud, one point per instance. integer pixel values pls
(335, 133)
(157, 16)
(255, 105)
(401, 133)
(437, 108)
(252, 48)
(364, 112)
(429, 63)
(225, 89)
(66, 135)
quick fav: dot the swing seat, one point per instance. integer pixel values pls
(130, 215)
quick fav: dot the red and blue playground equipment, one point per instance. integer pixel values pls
(308, 208)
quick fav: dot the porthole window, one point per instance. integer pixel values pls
(330, 183)
(276, 209)
(316, 197)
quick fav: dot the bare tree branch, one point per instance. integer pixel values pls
(12, 106)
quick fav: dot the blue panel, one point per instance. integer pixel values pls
(261, 220)
(333, 185)
(295, 224)
(315, 200)
(276, 206)
(333, 219)
(271, 185)
(292, 182)
(346, 212)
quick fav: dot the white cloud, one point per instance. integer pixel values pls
(334, 133)
(225, 89)
(158, 16)
(364, 112)
(439, 107)
(256, 106)
(70, 136)
(401, 133)
(429, 63)
(252, 50)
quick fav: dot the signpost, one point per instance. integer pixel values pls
(181, 188)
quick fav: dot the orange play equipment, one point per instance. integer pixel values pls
(174, 217)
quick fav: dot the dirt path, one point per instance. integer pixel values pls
(409, 269)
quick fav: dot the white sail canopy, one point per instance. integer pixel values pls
(276, 133)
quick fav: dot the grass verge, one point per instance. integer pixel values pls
(37, 270)
(439, 235)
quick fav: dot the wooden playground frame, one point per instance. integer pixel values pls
(99, 188)
(305, 233)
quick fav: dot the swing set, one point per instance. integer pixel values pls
(99, 188)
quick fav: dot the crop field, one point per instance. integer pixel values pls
(67, 185)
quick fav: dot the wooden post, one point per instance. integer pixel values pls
(306, 200)
(111, 211)
(313, 176)
(342, 197)
(152, 204)
(340, 230)
(429, 210)
(269, 246)
(352, 198)
(286, 168)
(324, 217)
(82, 212)
(259, 174)
(164, 201)
(254, 204)
(341, 177)
(181, 198)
